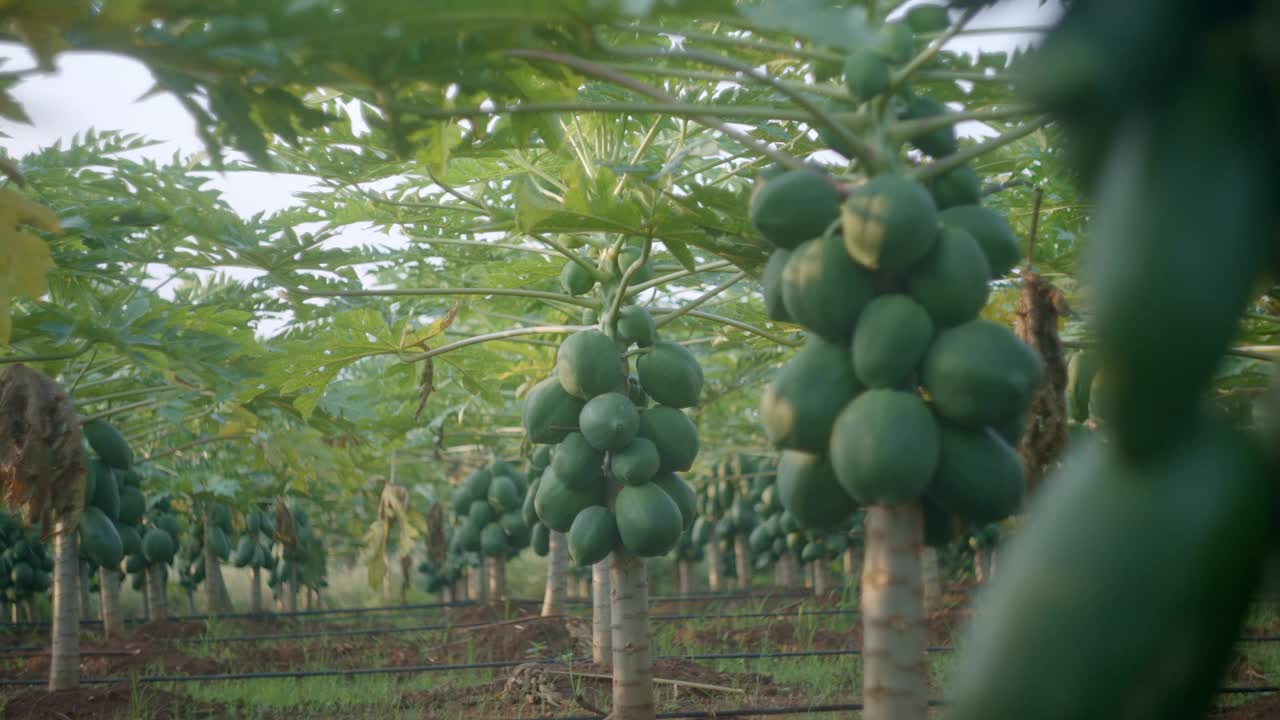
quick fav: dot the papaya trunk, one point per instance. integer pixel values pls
(584, 587)
(389, 563)
(446, 594)
(64, 652)
(557, 575)
(145, 610)
(459, 590)
(5, 610)
(713, 565)
(895, 671)
(601, 614)
(686, 576)
(932, 580)
(474, 589)
(308, 603)
(109, 601)
(742, 557)
(632, 652)
(991, 563)
(29, 610)
(497, 578)
(255, 589)
(850, 560)
(86, 604)
(157, 607)
(821, 577)
(808, 576)
(979, 566)
(216, 598)
(191, 601)
(789, 569)
(291, 590)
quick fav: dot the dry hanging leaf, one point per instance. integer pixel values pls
(42, 462)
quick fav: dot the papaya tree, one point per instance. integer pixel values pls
(42, 471)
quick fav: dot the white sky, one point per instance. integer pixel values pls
(100, 91)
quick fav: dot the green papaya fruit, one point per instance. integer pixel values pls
(637, 463)
(593, 535)
(979, 476)
(771, 280)
(866, 74)
(823, 289)
(951, 281)
(884, 447)
(793, 207)
(636, 325)
(575, 279)
(889, 223)
(893, 334)
(800, 405)
(991, 230)
(557, 503)
(588, 364)
(673, 433)
(107, 442)
(550, 413)
(577, 463)
(980, 373)
(609, 421)
(682, 494)
(649, 521)
(670, 374)
(809, 490)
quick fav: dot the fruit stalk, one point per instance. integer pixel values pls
(557, 575)
(601, 614)
(112, 619)
(895, 676)
(64, 660)
(632, 653)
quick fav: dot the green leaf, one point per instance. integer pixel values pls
(681, 251)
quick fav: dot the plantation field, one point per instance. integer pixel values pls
(435, 682)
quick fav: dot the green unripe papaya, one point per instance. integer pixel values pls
(681, 493)
(794, 207)
(670, 374)
(951, 281)
(593, 535)
(673, 433)
(884, 447)
(575, 279)
(893, 334)
(992, 232)
(823, 288)
(609, 421)
(588, 364)
(809, 490)
(549, 412)
(636, 325)
(866, 74)
(635, 464)
(889, 223)
(649, 521)
(799, 406)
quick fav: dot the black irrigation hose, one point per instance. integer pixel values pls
(275, 615)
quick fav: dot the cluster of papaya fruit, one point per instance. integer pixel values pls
(111, 525)
(1139, 562)
(918, 396)
(303, 560)
(25, 563)
(487, 506)
(191, 558)
(610, 479)
(253, 549)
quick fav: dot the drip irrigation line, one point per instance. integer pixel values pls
(283, 614)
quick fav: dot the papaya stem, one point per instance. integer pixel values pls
(604, 72)
(50, 357)
(908, 129)
(863, 151)
(740, 43)
(499, 335)
(694, 303)
(427, 292)
(574, 257)
(829, 90)
(955, 160)
(611, 315)
(117, 410)
(924, 57)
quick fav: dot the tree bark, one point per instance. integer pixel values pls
(291, 589)
(601, 614)
(109, 592)
(217, 599)
(145, 610)
(931, 578)
(86, 604)
(29, 610)
(714, 579)
(850, 560)
(191, 601)
(684, 572)
(446, 594)
(821, 577)
(157, 603)
(979, 566)
(808, 576)
(553, 594)
(255, 589)
(460, 590)
(742, 558)
(64, 651)
(497, 578)
(632, 652)
(991, 562)
(789, 569)
(584, 588)
(895, 670)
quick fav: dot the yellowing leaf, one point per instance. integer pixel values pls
(24, 257)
